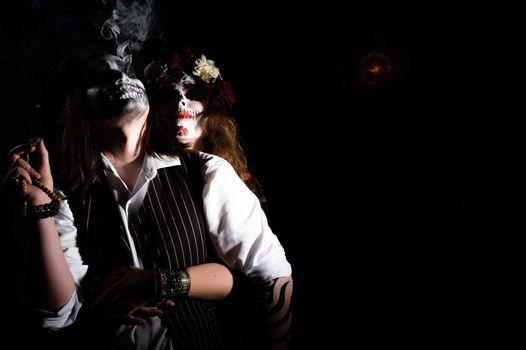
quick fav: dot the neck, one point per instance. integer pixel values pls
(122, 140)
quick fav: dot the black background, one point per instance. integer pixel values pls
(400, 205)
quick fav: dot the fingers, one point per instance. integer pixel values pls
(119, 310)
(114, 309)
(134, 321)
(20, 179)
(139, 315)
(19, 151)
(124, 295)
(129, 313)
(24, 149)
(166, 303)
(21, 164)
(43, 154)
(18, 175)
(120, 271)
(19, 156)
(112, 287)
(147, 311)
(108, 297)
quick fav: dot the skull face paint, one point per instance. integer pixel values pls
(189, 112)
(111, 91)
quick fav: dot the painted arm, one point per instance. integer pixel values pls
(245, 242)
(274, 316)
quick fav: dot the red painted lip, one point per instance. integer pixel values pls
(184, 115)
(181, 131)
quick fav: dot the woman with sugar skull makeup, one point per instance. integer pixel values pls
(131, 252)
(187, 89)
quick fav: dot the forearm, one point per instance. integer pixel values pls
(209, 281)
(51, 283)
(275, 313)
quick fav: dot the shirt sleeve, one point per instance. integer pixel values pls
(67, 232)
(65, 316)
(238, 226)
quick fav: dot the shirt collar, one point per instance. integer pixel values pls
(154, 163)
(150, 165)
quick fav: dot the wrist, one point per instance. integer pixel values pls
(171, 284)
(150, 283)
(38, 208)
(38, 199)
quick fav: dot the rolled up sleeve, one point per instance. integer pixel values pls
(238, 226)
(67, 232)
(64, 317)
(67, 314)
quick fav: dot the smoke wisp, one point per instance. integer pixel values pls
(130, 25)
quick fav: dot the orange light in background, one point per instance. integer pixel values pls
(375, 69)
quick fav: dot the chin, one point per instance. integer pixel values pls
(134, 106)
(185, 139)
(189, 142)
(123, 108)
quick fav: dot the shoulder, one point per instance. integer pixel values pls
(213, 163)
(218, 173)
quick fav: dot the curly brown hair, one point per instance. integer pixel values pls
(221, 137)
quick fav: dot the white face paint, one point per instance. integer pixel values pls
(111, 91)
(188, 129)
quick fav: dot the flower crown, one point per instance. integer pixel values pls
(165, 73)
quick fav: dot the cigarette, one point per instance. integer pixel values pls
(33, 142)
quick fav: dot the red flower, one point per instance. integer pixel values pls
(226, 95)
(175, 61)
(169, 71)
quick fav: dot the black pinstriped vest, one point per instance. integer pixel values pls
(169, 231)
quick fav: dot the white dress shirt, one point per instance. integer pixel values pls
(238, 226)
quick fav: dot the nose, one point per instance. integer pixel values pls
(183, 99)
(123, 79)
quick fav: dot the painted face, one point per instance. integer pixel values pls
(111, 91)
(189, 112)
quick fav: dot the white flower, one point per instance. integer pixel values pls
(205, 69)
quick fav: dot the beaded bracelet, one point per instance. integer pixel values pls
(171, 284)
(36, 212)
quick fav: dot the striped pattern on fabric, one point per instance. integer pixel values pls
(170, 232)
(101, 237)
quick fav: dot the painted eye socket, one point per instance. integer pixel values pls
(195, 93)
(168, 95)
(101, 77)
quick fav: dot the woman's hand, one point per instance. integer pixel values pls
(21, 170)
(127, 296)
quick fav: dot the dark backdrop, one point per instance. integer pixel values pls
(399, 204)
